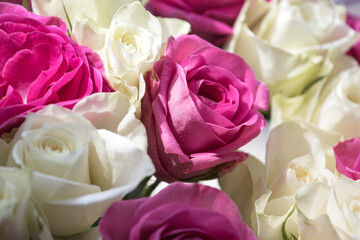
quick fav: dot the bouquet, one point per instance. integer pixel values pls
(101, 101)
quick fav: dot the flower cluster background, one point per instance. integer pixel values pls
(115, 114)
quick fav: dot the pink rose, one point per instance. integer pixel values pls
(354, 23)
(201, 106)
(347, 156)
(40, 65)
(180, 211)
(211, 20)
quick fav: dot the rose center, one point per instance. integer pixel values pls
(353, 94)
(211, 92)
(302, 173)
(54, 144)
(129, 39)
(354, 206)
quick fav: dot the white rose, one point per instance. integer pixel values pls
(330, 212)
(297, 154)
(294, 41)
(332, 104)
(311, 206)
(78, 170)
(129, 44)
(19, 218)
(343, 208)
(101, 11)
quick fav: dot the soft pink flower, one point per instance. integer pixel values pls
(211, 20)
(180, 211)
(201, 106)
(40, 65)
(347, 155)
(354, 23)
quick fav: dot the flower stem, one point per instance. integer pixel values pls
(147, 191)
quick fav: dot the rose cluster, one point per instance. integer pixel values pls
(100, 101)
(95, 101)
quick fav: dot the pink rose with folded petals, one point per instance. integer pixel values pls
(211, 20)
(347, 155)
(180, 211)
(354, 23)
(201, 105)
(40, 65)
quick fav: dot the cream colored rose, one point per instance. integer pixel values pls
(330, 212)
(297, 155)
(343, 208)
(78, 170)
(311, 207)
(19, 217)
(332, 104)
(294, 41)
(129, 43)
(129, 46)
(101, 11)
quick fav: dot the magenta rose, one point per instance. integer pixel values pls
(347, 156)
(201, 106)
(180, 211)
(211, 20)
(354, 23)
(40, 65)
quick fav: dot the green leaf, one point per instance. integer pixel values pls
(283, 231)
(138, 191)
(267, 113)
(68, 19)
(25, 4)
(211, 174)
(148, 190)
(96, 223)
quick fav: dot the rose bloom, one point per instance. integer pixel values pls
(128, 38)
(40, 64)
(333, 104)
(347, 155)
(180, 211)
(330, 212)
(297, 155)
(19, 216)
(295, 41)
(210, 20)
(79, 170)
(201, 106)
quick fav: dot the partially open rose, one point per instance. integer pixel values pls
(177, 212)
(211, 20)
(79, 170)
(40, 65)
(202, 105)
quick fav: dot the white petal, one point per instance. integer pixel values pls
(246, 174)
(311, 202)
(173, 27)
(112, 111)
